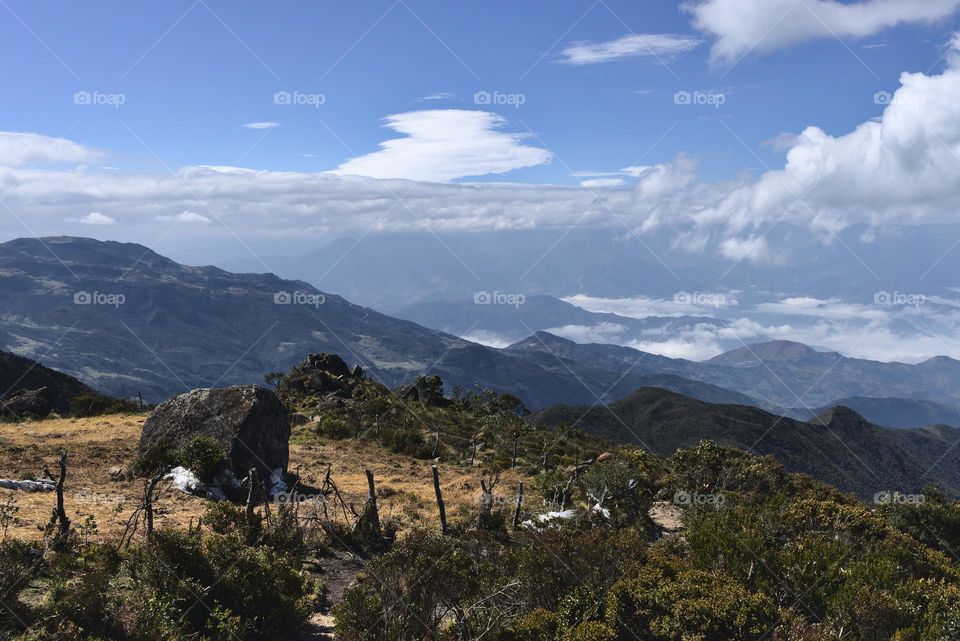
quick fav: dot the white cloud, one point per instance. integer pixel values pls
(22, 148)
(93, 218)
(184, 217)
(601, 183)
(682, 304)
(604, 333)
(655, 45)
(444, 144)
(742, 26)
(488, 338)
(261, 125)
(752, 248)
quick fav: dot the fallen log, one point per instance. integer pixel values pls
(28, 485)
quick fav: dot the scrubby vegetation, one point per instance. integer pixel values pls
(586, 553)
(779, 557)
(215, 582)
(764, 554)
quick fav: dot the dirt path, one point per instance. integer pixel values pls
(339, 572)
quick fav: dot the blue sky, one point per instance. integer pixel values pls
(192, 74)
(211, 130)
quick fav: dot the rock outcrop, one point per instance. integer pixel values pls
(247, 422)
(320, 375)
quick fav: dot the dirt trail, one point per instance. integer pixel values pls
(339, 572)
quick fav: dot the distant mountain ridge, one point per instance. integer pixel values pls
(839, 447)
(779, 374)
(509, 323)
(125, 319)
(892, 412)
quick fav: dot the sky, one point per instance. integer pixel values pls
(537, 93)
(189, 125)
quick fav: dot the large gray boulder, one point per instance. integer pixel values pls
(248, 422)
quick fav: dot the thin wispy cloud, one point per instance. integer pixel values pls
(261, 125)
(640, 45)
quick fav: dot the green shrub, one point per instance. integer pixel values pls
(537, 625)
(408, 441)
(591, 631)
(421, 586)
(255, 592)
(20, 562)
(335, 428)
(84, 405)
(80, 598)
(203, 456)
(224, 517)
(667, 601)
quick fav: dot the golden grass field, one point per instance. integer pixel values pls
(95, 445)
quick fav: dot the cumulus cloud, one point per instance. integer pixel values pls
(22, 148)
(444, 144)
(93, 218)
(741, 26)
(650, 45)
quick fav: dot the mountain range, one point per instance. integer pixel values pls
(125, 319)
(779, 374)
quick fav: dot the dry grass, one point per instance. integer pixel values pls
(94, 445)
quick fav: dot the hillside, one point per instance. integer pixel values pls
(840, 447)
(49, 389)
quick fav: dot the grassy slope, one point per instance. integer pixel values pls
(97, 444)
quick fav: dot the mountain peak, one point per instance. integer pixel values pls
(771, 351)
(538, 340)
